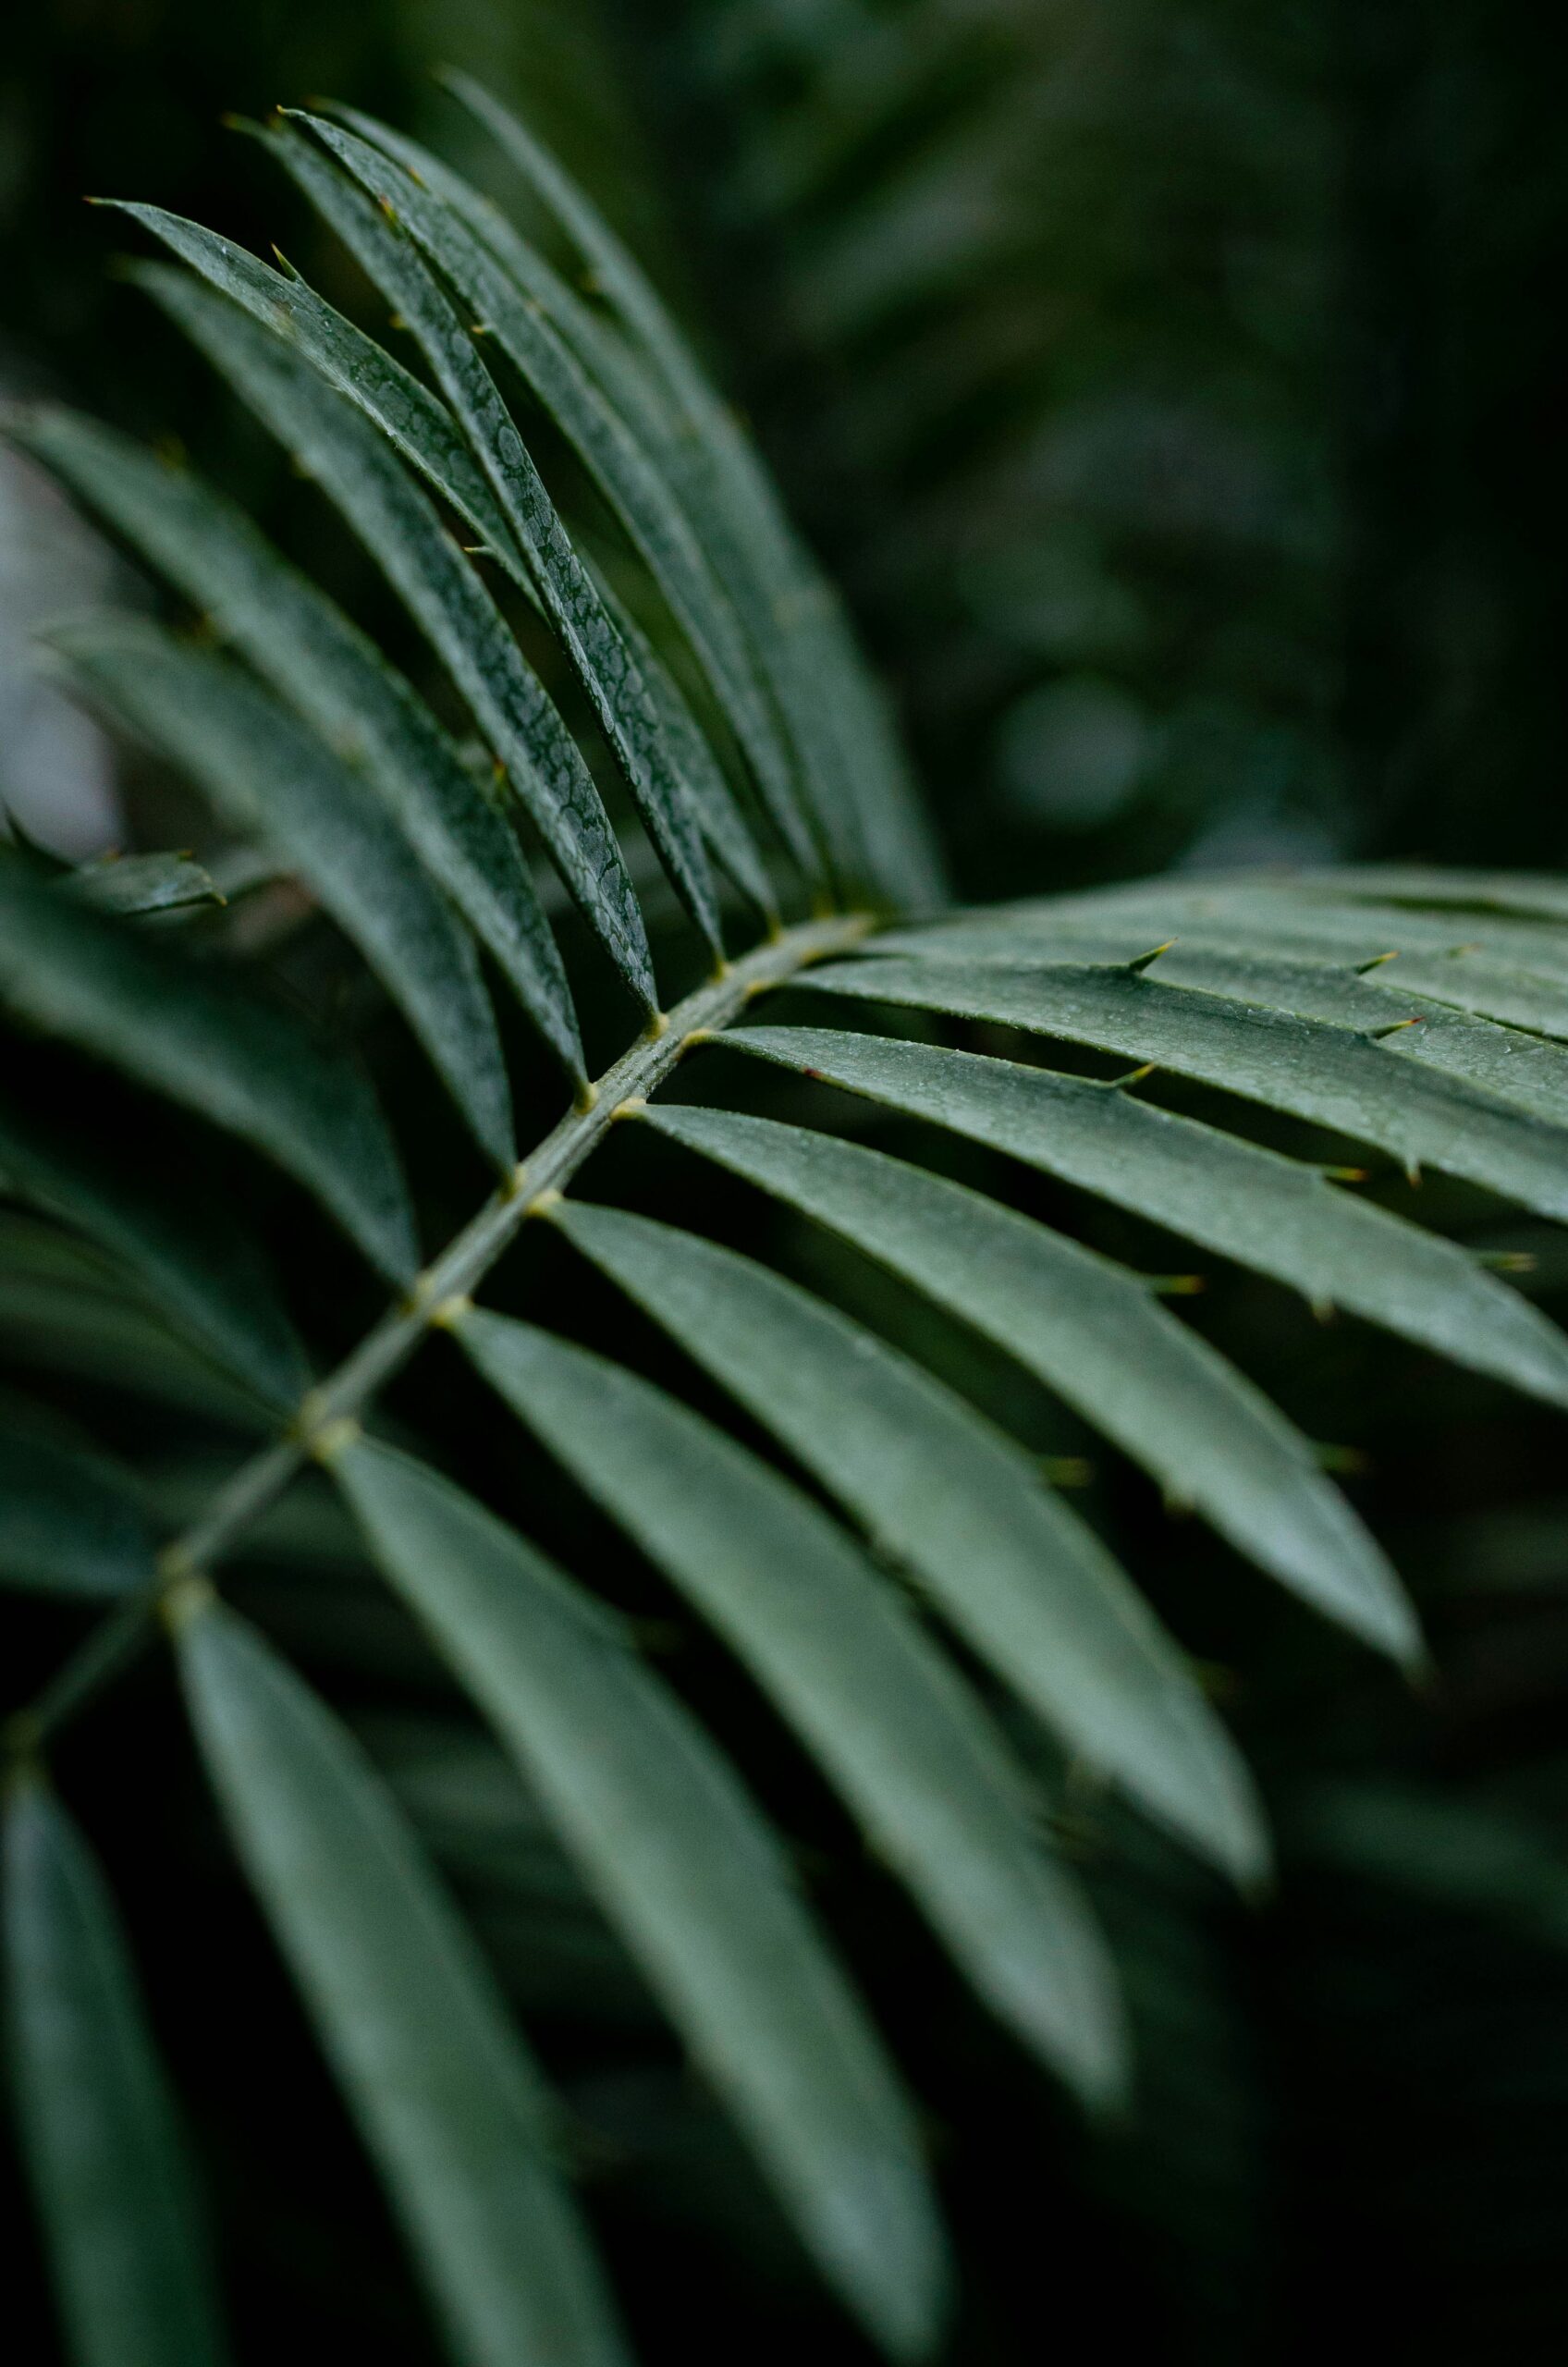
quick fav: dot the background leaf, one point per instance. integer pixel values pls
(114, 2189)
(69, 1522)
(212, 1045)
(186, 1249)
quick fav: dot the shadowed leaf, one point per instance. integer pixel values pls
(103, 2151)
(210, 1044)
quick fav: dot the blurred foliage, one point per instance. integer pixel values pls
(1170, 381)
(1175, 388)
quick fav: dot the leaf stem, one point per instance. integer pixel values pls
(453, 1275)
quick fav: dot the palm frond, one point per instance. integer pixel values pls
(654, 655)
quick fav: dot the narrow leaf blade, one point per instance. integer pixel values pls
(336, 680)
(661, 432)
(1279, 1216)
(848, 751)
(689, 1874)
(292, 386)
(69, 1524)
(1333, 1075)
(1094, 1333)
(63, 1310)
(600, 659)
(417, 424)
(882, 1712)
(634, 486)
(102, 2146)
(137, 885)
(190, 1257)
(272, 776)
(198, 1038)
(1498, 1058)
(723, 826)
(1026, 1582)
(446, 2098)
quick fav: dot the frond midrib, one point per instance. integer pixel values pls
(331, 1411)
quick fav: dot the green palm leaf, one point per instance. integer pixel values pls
(70, 1524)
(185, 1249)
(1280, 1215)
(1020, 1575)
(138, 884)
(830, 1641)
(342, 450)
(427, 2059)
(337, 682)
(862, 795)
(1093, 1333)
(561, 583)
(689, 1874)
(639, 494)
(415, 423)
(207, 1042)
(679, 448)
(1373, 995)
(1332, 1075)
(273, 778)
(115, 2189)
(709, 676)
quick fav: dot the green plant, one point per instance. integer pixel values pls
(690, 705)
